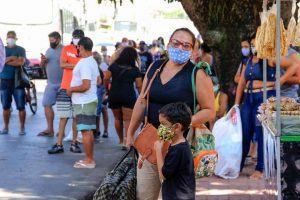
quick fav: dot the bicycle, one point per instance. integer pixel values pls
(31, 96)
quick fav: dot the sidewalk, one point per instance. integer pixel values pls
(242, 188)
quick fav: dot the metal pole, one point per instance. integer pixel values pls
(278, 107)
(265, 63)
(265, 80)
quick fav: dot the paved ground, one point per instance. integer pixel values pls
(242, 188)
(28, 172)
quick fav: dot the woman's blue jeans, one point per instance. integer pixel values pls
(251, 125)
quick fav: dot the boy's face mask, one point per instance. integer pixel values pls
(165, 133)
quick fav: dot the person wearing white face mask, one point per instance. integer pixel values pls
(15, 58)
(246, 54)
(68, 60)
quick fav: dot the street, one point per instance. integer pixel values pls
(28, 172)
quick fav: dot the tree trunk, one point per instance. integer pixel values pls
(222, 24)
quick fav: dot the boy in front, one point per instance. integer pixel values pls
(176, 171)
(83, 91)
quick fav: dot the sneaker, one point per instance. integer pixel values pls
(56, 149)
(97, 135)
(105, 135)
(22, 133)
(4, 132)
(75, 148)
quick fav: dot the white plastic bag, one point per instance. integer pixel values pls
(69, 137)
(228, 139)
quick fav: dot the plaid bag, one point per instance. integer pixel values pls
(120, 183)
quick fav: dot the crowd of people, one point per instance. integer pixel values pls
(84, 84)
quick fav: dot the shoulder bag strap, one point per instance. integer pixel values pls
(145, 93)
(201, 65)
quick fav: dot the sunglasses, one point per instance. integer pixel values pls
(185, 45)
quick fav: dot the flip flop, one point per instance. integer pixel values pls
(82, 165)
(46, 134)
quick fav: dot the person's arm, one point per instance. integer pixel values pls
(86, 77)
(44, 60)
(289, 66)
(137, 114)
(238, 73)
(223, 103)
(240, 88)
(85, 86)
(205, 97)
(10, 59)
(107, 77)
(138, 84)
(295, 79)
(158, 145)
(63, 60)
(17, 62)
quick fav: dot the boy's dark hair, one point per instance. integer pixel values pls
(11, 33)
(87, 43)
(78, 33)
(55, 35)
(177, 113)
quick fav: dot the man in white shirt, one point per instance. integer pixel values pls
(83, 91)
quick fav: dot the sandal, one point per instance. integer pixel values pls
(46, 134)
(257, 175)
(82, 165)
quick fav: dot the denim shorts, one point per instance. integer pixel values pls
(7, 88)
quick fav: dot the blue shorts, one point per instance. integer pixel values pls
(7, 88)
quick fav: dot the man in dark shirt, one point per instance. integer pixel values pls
(15, 58)
(176, 171)
(145, 56)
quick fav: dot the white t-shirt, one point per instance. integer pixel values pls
(86, 68)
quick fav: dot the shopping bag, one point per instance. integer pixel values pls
(205, 156)
(69, 137)
(228, 135)
(120, 183)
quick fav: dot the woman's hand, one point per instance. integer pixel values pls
(129, 140)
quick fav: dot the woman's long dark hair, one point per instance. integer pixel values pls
(127, 57)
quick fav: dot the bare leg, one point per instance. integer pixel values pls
(127, 113)
(49, 113)
(6, 116)
(119, 124)
(22, 118)
(105, 119)
(61, 130)
(98, 124)
(75, 133)
(88, 145)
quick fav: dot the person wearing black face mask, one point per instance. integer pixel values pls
(145, 56)
(51, 61)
